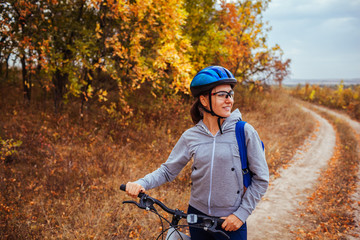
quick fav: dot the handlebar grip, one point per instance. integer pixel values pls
(123, 188)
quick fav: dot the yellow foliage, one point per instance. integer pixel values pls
(346, 98)
(8, 147)
(312, 94)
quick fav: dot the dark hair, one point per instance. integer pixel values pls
(195, 112)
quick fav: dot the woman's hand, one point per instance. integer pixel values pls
(232, 223)
(133, 189)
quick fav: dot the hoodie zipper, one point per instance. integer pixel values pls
(211, 172)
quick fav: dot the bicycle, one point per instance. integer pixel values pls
(173, 233)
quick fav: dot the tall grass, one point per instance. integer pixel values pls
(63, 181)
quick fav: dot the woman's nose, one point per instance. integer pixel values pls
(229, 99)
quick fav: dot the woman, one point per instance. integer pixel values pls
(217, 183)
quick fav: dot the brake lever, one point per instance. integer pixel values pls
(133, 202)
(210, 225)
(145, 202)
(219, 231)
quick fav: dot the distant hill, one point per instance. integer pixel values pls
(294, 82)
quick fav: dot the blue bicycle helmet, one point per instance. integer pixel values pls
(210, 77)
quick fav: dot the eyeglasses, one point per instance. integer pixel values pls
(224, 95)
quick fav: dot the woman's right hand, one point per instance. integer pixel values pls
(133, 189)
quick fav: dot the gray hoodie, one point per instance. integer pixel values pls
(217, 183)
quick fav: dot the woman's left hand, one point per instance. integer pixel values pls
(232, 223)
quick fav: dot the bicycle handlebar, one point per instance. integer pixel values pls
(146, 202)
(150, 200)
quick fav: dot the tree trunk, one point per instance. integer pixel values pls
(59, 81)
(7, 67)
(26, 80)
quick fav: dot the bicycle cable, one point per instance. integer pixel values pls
(162, 225)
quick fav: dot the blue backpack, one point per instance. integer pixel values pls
(240, 137)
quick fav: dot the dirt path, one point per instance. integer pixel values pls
(356, 196)
(274, 216)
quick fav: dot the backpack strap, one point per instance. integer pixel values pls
(240, 137)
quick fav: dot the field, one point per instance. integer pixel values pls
(63, 180)
(94, 94)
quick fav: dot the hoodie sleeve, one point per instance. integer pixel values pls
(167, 172)
(259, 168)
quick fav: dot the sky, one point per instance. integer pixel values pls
(321, 37)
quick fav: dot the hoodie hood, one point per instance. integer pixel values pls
(234, 117)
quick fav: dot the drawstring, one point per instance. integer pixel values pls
(219, 125)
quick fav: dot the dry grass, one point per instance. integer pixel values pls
(327, 213)
(63, 182)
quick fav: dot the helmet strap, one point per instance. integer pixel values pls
(219, 124)
(211, 111)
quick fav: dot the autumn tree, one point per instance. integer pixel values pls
(5, 41)
(142, 42)
(18, 24)
(248, 55)
(203, 28)
(131, 42)
(279, 70)
(84, 49)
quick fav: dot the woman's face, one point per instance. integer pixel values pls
(222, 99)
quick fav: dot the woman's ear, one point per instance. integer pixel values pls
(204, 100)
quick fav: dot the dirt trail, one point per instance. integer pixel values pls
(274, 216)
(356, 196)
